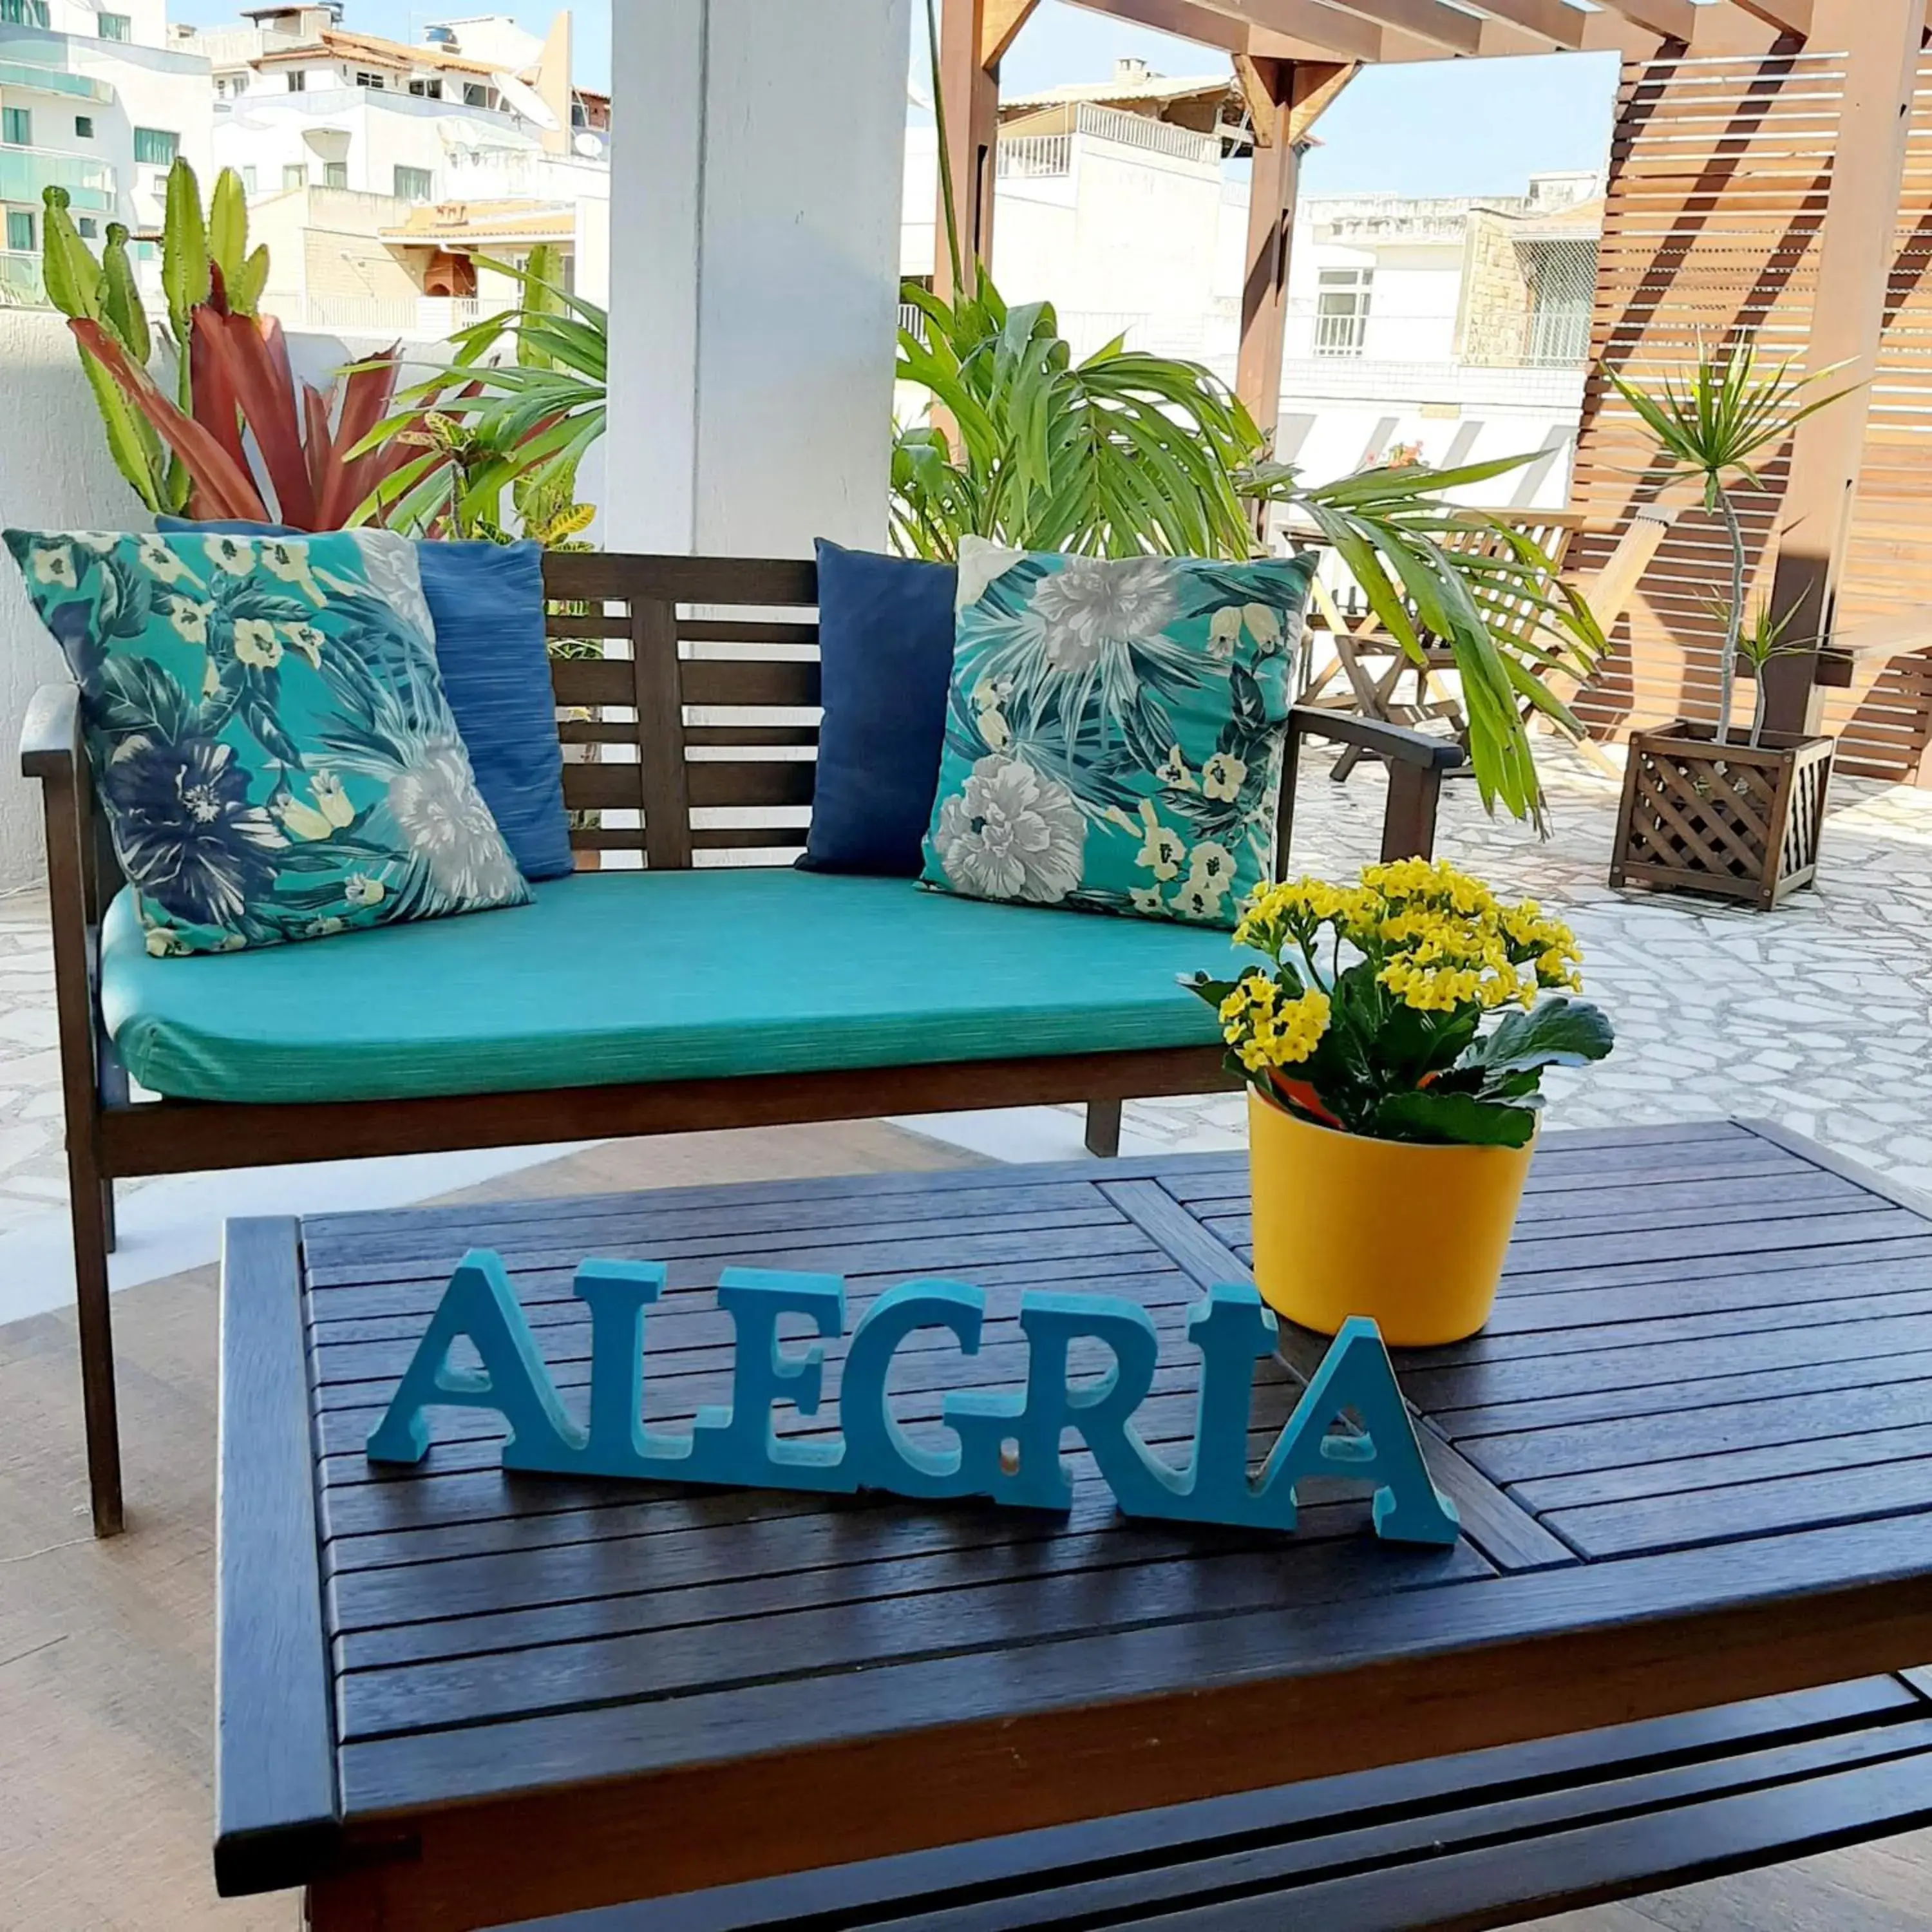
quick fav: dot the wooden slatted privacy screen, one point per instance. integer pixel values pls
(1719, 171)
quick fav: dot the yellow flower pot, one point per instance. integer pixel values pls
(1414, 1236)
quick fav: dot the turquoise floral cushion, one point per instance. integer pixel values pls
(268, 732)
(1114, 731)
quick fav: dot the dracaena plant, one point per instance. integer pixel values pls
(1713, 424)
(187, 453)
(515, 409)
(1415, 1006)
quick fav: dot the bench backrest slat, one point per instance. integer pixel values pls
(686, 729)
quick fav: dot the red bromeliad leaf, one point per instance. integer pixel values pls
(366, 396)
(261, 385)
(216, 406)
(226, 488)
(319, 448)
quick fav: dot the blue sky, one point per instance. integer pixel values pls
(1437, 127)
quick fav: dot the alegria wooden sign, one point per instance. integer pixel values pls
(1006, 1444)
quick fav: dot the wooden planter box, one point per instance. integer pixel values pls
(1738, 820)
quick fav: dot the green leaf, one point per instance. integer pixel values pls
(1457, 1120)
(228, 232)
(121, 309)
(1556, 1032)
(68, 269)
(244, 291)
(184, 276)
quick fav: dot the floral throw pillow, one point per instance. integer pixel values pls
(1114, 731)
(268, 733)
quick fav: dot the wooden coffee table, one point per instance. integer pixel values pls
(1693, 1456)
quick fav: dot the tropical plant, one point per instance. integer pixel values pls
(197, 247)
(1712, 424)
(188, 455)
(1368, 1015)
(522, 424)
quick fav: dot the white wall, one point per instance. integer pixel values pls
(54, 473)
(756, 182)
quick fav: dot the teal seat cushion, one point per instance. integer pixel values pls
(641, 976)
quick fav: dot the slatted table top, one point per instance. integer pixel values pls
(1692, 1454)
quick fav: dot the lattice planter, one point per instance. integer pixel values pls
(1739, 820)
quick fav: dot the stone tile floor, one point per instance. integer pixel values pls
(1818, 1016)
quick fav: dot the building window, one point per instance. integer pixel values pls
(86, 227)
(155, 147)
(474, 94)
(295, 174)
(23, 13)
(1342, 311)
(19, 232)
(16, 127)
(427, 90)
(298, 80)
(83, 127)
(248, 182)
(116, 27)
(364, 77)
(414, 185)
(335, 174)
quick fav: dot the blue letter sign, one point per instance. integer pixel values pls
(1350, 1422)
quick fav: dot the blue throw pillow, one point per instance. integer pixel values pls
(885, 642)
(487, 602)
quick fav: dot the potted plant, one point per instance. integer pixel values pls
(1393, 1041)
(1701, 811)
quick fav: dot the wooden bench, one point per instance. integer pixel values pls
(689, 738)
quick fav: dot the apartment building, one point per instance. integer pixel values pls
(383, 175)
(96, 99)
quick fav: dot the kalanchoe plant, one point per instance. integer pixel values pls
(1370, 1013)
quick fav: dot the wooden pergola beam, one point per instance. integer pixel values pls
(998, 23)
(1286, 29)
(1857, 245)
(1674, 19)
(1553, 20)
(1788, 17)
(1285, 99)
(969, 91)
(1427, 20)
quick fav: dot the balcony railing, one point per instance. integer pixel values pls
(1031, 156)
(45, 77)
(20, 284)
(24, 171)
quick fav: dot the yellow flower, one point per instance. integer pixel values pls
(1172, 771)
(1162, 849)
(159, 559)
(308, 640)
(331, 812)
(1264, 624)
(1223, 776)
(190, 620)
(289, 561)
(1210, 865)
(55, 564)
(256, 643)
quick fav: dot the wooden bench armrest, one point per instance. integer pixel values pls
(1416, 764)
(1396, 742)
(50, 737)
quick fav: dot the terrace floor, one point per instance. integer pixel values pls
(1818, 1016)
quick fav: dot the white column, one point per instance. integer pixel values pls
(756, 172)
